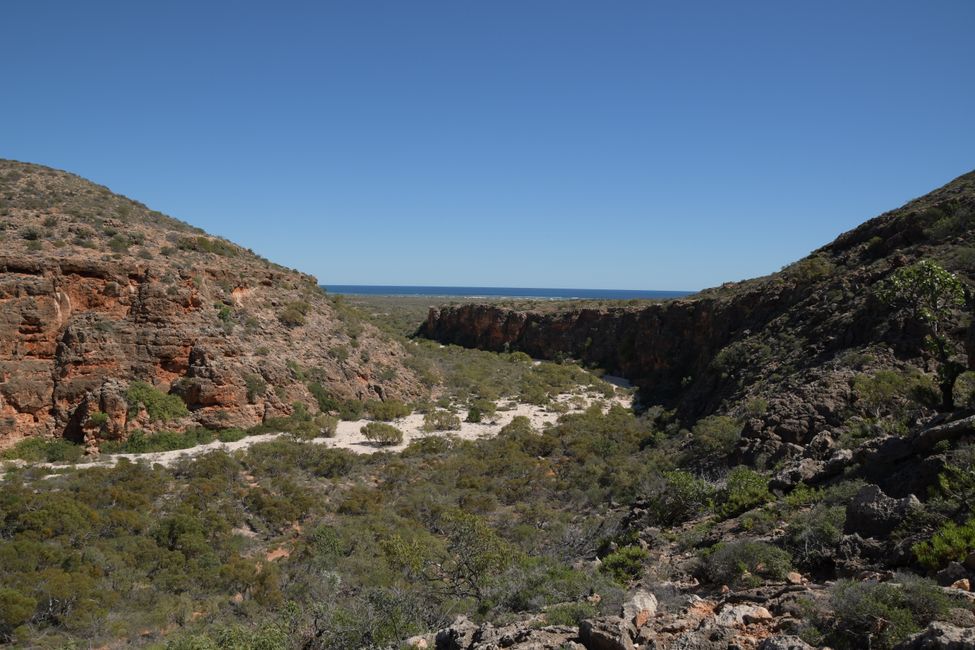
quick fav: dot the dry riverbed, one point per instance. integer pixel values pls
(348, 433)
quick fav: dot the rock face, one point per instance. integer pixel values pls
(872, 513)
(792, 341)
(97, 291)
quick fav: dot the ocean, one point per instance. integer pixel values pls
(502, 292)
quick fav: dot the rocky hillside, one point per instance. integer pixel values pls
(780, 351)
(110, 311)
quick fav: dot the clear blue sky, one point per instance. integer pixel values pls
(623, 144)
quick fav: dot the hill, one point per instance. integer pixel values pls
(101, 296)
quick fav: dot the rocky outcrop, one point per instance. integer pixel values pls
(96, 292)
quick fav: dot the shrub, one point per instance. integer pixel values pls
(295, 313)
(15, 610)
(206, 245)
(810, 269)
(951, 542)
(744, 490)
(441, 421)
(255, 386)
(50, 450)
(387, 410)
(140, 442)
(571, 614)
(678, 496)
(98, 418)
(813, 536)
(119, 243)
(716, 435)
(881, 615)
(382, 434)
(479, 409)
(626, 564)
(160, 406)
(745, 562)
(520, 425)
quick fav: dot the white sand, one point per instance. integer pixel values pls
(348, 435)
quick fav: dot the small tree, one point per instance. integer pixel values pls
(929, 295)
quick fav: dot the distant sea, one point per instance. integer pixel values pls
(501, 292)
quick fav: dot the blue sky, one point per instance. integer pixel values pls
(622, 144)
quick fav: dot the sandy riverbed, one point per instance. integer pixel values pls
(348, 434)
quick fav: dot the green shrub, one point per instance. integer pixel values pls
(140, 442)
(160, 406)
(716, 435)
(520, 425)
(98, 418)
(744, 490)
(626, 564)
(441, 421)
(387, 410)
(382, 434)
(746, 562)
(881, 615)
(256, 386)
(571, 614)
(15, 610)
(813, 536)
(810, 269)
(295, 313)
(206, 245)
(951, 542)
(231, 435)
(677, 496)
(119, 243)
(50, 450)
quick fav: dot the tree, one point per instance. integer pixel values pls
(929, 295)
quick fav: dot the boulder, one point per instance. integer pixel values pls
(608, 633)
(741, 615)
(952, 573)
(459, 636)
(941, 636)
(639, 608)
(872, 513)
(784, 643)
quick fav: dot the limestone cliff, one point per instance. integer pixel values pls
(98, 291)
(793, 340)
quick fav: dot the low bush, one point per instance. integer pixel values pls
(746, 563)
(161, 407)
(256, 386)
(441, 421)
(295, 314)
(881, 615)
(626, 564)
(387, 410)
(572, 614)
(745, 489)
(520, 425)
(677, 496)
(813, 536)
(715, 436)
(382, 434)
(140, 442)
(952, 542)
(50, 450)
